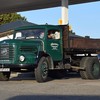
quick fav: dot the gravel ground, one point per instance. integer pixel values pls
(24, 87)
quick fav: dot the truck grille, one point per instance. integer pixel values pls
(28, 49)
(6, 52)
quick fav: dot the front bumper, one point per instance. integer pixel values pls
(18, 66)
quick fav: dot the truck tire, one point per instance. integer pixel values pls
(41, 72)
(92, 68)
(4, 76)
(82, 65)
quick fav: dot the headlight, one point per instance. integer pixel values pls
(22, 58)
(4, 51)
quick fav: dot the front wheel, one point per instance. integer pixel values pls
(41, 72)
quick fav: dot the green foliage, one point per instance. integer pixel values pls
(6, 18)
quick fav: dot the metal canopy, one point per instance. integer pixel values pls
(7, 6)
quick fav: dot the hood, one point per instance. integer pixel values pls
(21, 41)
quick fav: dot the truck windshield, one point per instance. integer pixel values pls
(30, 33)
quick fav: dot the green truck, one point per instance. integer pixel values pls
(44, 49)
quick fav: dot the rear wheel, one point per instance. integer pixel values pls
(92, 68)
(4, 76)
(41, 72)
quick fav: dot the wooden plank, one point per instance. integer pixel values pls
(85, 43)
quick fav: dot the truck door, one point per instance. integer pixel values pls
(54, 44)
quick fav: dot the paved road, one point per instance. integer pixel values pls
(24, 87)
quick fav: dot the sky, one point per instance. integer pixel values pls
(84, 18)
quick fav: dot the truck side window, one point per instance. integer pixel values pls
(53, 34)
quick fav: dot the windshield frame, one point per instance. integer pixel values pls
(30, 29)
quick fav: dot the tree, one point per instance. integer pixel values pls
(7, 18)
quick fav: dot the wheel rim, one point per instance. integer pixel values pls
(44, 69)
(96, 69)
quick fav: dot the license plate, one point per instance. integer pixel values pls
(4, 69)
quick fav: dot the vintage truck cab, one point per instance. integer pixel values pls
(28, 47)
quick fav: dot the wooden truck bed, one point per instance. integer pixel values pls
(81, 44)
(84, 43)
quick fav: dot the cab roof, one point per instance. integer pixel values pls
(37, 26)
